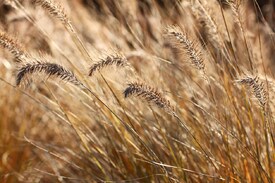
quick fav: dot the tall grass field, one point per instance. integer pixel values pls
(121, 91)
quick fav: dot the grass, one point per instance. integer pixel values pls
(136, 91)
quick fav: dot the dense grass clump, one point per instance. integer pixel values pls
(137, 91)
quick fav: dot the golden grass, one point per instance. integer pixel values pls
(136, 91)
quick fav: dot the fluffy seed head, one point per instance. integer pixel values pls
(211, 28)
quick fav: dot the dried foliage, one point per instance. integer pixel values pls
(99, 129)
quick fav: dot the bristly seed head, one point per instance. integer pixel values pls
(10, 44)
(148, 93)
(181, 40)
(56, 11)
(116, 59)
(50, 69)
(257, 87)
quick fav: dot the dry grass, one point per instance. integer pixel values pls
(188, 95)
